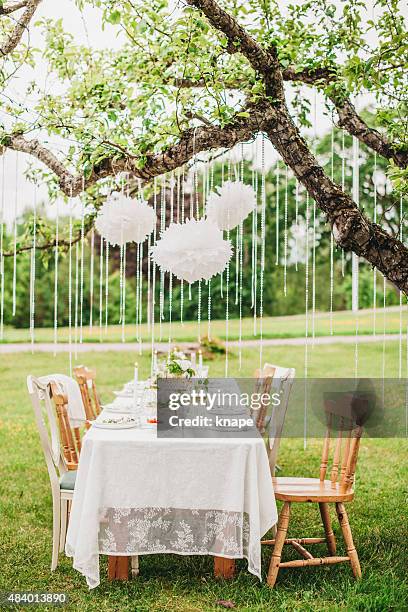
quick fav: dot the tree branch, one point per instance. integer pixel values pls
(10, 7)
(191, 142)
(349, 119)
(16, 34)
(352, 230)
(264, 62)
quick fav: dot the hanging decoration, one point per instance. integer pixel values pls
(343, 183)
(254, 283)
(192, 251)
(285, 230)
(306, 365)
(153, 273)
(401, 218)
(56, 253)
(91, 279)
(277, 210)
(230, 204)
(296, 225)
(76, 299)
(375, 221)
(262, 266)
(70, 283)
(162, 228)
(331, 238)
(81, 285)
(15, 242)
(354, 257)
(356, 197)
(314, 272)
(122, 219)
(1, 251)
(33, 271)
(101, 254)
(183, 204)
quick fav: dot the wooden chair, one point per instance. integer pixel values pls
(273, 379)
(86, 381)
(337, 490)
(62, 480)
(70, 437)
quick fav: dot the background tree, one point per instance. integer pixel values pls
(202, 76)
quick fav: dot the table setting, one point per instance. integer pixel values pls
(137, 493)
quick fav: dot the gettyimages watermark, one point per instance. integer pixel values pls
(244, 407)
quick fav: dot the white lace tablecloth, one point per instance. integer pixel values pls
(136, 494)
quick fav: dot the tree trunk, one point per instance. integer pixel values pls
(352, 230)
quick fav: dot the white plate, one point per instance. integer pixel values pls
(126, 409)
(123, 393)
(124, 425)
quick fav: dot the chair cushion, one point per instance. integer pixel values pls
(67, 480)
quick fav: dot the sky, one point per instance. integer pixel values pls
(18, 192)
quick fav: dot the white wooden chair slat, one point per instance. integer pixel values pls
(40, 396)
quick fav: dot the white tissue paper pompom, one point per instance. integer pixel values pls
(122, 219)
(231, 205)
(192, 251)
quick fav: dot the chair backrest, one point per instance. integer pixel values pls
(48, 429)
(270, 380)
(342, 427)
(70, 436)
(86, 381)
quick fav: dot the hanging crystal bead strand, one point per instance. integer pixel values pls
(331, 239)
(153, 315)
(343, 183)
(183, 203)
(277, 206)
(211, 188)
(15, 242)
(262, 270)
(401, 217)
(56, 252)
(172, 184)
(33, 271)
(306, 356)
(91, 279)
(375, 221)
(314, 272)
(285, 242)
(1, 250)
(162, 226)
(255, 262)
(106, 286)
(354, 257)
(296, 225)
(81, 291)
(140, 296)
(70, 282)
(76, 299)
(101, 253)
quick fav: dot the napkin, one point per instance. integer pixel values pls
(69, 387)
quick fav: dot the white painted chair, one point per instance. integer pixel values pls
(62, 481)
(274, 379)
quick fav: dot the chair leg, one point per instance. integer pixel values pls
(134, 566)
(348, 539)
(330, 539)
(282, 530)
(64, 523)
(56, 528)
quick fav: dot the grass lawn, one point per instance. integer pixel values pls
(344, 323)
(379, 515)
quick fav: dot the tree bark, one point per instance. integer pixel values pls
(352, 230)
